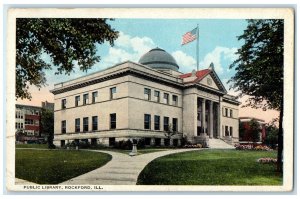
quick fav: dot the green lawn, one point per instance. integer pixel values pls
(56, 166)
(211, 167)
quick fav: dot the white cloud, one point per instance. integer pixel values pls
(127, 48)
(216, 56)
(186, 63)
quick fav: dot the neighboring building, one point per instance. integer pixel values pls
(47, 105)
(28, 121)
(141, 100)
(245, 122)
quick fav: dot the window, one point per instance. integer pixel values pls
(85, 99)
(29, 121)
(94, 96)
(85, 124)
(63, 126)
(111, 141)
(95, 123)
(175, 100)
(63, 103)
(156, 96)
(175, 124)
(21, 125)
(226, 131)
(36, 122)
(113, 121)
(226, 112)
(77, 125)
(156, 122)
(166, 98)
(147, 94)
(147, 121)
(77, 99)
(113, 92)
(230, 113)
(230, 131)
(166, 123)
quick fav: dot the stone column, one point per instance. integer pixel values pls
(218, 120)
(211, 120)
(203, 116)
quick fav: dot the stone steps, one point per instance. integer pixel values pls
(219, 144)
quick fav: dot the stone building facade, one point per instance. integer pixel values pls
(144, 100)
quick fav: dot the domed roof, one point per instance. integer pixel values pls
(159, 59)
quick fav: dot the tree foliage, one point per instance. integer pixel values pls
(259, 66)
(67, 41)
(272, 134)
(47, 123)
(259, 69)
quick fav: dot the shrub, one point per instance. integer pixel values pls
(267, 160)
(252, 147)
(193, 146)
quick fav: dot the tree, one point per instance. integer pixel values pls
(255, 130)
(259, 69)
(67, 41)
(47, 123)
(272, 134)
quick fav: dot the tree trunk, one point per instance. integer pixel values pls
(280, 140)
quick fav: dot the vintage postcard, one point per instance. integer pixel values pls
(150, 99)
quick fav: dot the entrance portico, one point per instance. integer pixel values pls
(208, 118)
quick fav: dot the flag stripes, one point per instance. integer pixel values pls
(189, 36)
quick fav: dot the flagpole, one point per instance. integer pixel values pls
(197, 47)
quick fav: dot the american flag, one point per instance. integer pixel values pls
(189, 36)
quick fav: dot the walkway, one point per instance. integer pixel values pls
(121, 170)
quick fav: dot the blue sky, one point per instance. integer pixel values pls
(217, 43)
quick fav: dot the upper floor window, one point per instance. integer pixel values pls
(77, 125)
(63, 103)
(94, 96)
(166, 98)
(77, 99)
(175, 100)
(156, 96)
(166, 124)
(85, 124)
(226, 112)
(147, 94)
(95, 123)
(85, 99)
(63, 126)
(147, 121)
(113, 92)
(230, 113)
(175, 124)
(113, 121)
(156, 122)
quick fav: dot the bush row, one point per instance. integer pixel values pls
(252, 147)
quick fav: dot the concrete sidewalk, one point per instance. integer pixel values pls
(121, 170)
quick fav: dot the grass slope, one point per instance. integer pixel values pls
(211, 167)
(56, 166)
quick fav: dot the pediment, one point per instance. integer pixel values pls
(211, 80)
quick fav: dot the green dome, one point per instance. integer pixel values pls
(159, 59)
